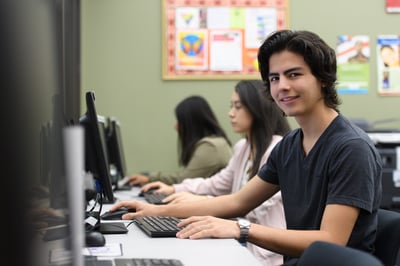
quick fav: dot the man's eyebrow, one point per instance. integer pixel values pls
(286, 71)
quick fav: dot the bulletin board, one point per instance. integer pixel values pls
(217, 39)
(392, 6)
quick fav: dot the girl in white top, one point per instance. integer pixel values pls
(263, 126)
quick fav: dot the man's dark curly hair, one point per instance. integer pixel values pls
(319, 56)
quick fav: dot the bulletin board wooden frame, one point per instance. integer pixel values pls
(227, 49)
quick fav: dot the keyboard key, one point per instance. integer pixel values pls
(154, 198)
(147, 262)
(158, 226)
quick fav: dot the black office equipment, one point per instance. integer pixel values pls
(93, 223)
(97, 163)
(115, 215)
(154, 198)
(116, 154)
(387, 243)
(390, 190)
(147, 262)
(51, 220)
(330, 254)
(93, 261)
(55, 233)
(385, 139)
(94, 239)
(158, 226)
(96, 154)
(387, 143)
(390, 179)
(389, 157)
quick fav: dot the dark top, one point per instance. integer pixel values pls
(343, 167)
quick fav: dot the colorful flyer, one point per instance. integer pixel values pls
(388, 60)
(191, 49)
(392, 6)
(226, 50)
(353, 54)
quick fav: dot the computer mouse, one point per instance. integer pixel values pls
(115, 215)
(94, 239)
(150, 191)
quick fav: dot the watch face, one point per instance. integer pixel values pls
(243, 223)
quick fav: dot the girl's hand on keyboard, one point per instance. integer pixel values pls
(197, 227)
(140, 209)
(138, 179)
(183, 197)
(159, 188)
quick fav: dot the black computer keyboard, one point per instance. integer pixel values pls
(154, 198)
(158, 226)
(55, 233)
(93, 261)
(52, 220)
(147, 262)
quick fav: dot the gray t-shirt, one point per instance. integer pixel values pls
(343, 167)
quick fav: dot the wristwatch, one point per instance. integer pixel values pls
(244, 226)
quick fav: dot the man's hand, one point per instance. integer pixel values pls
(183, 197)
(197, 227)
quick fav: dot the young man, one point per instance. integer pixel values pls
(328, 170)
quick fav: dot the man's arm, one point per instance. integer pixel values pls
(336, 227)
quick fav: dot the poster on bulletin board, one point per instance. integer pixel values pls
(388, 59)
(353, 54)
(217, 39)
(392, 6)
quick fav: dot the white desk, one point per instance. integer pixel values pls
(191, 252)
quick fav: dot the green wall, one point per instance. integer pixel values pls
(121, 62)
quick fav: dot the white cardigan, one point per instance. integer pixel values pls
(229, 180)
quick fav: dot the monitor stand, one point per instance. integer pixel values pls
(112, 228)
(107, 201)
(93, 222)
(125, 187)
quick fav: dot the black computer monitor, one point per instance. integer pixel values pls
(115, 151)
(96, 154)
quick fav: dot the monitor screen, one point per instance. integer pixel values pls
(115, 150)
(96, 154)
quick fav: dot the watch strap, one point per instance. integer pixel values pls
(244, 226)
(244, 234)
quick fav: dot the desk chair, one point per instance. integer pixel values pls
(329, 254)
(387, 244)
